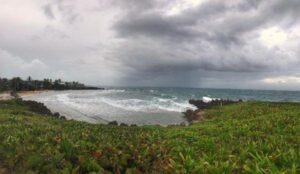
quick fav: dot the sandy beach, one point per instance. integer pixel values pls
(30, 93)
(8, 96)
(5, 96)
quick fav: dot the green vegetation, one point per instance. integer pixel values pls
(17, 84)
(251, 137)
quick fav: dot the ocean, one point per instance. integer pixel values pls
(145, 105)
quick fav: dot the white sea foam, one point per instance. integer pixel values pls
(153, 105)
(86, 102)
(75, 103)
(208, 99)
(159, 106)
(109, 91)
(129, 106)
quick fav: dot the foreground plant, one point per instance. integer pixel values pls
(240, 138)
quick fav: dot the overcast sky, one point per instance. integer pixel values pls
(192, 43)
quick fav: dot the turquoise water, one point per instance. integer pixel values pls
(144, 105)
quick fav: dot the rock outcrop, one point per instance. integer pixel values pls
(205, 103)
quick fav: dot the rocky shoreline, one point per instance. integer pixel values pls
(39, 108)
(198, 114)
(190, 115)
(34, 106)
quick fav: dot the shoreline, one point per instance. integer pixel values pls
(6, 96)
(100, 115)
(189, 115)
(30, 93)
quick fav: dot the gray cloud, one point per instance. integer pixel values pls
(48, 11)
(146, 43)
(65, 9)
(202, 22)
(200, 28)
(153, 25)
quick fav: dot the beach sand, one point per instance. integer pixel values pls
(5, 96)
(8, 96)
(30, 93)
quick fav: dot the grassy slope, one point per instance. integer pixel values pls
(239, 138)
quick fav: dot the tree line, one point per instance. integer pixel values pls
(18, 84)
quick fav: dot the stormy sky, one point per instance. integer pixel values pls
(185, 43)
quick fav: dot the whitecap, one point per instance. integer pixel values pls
(154, 105)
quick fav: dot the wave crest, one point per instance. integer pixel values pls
(152, 106)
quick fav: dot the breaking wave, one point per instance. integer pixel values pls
(154, 105)
(151, 105)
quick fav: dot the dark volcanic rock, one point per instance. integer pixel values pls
(197, 114)
(113, 123)
(123, 124)
(38, 108)
(191, 115)
(200, 104)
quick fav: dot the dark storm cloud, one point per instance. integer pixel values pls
(215, 43)
(239, 18)
(153, 25)
(150, 23)
(215, 23)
